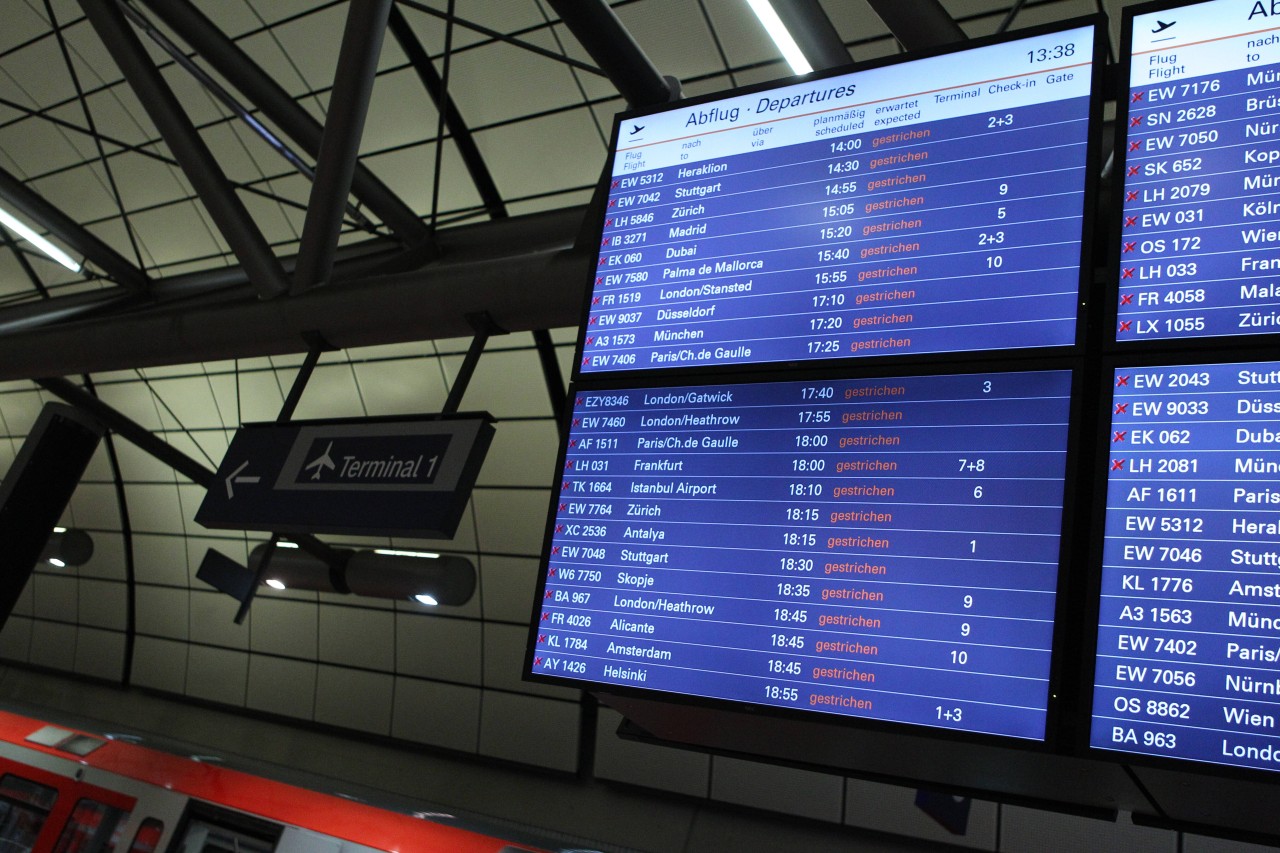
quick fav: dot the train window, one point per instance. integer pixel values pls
(24, 806)
(200, 837)
(148, 837)
(206, 828)
(92, 828)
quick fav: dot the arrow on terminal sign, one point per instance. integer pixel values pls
(235, 478)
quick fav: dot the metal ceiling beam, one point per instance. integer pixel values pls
(457, 126)
(340, 147)
(919, 24)
(229, 101)
(198, 163)
(813, 32)
(19, 198)
(609, 43)
(288, 115)
(537, 283)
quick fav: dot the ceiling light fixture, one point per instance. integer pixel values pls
(67, 548)
(392, 552)
(276, 584)
(7, 219)
(781, 36)
(447, 580)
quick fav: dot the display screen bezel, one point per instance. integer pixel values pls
(594, 228)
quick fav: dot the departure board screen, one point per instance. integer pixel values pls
(926, 206)
(885, 548)
(1199, 241)
(1188, 661)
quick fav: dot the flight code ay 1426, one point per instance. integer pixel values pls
(1189, 633)
(880, 548)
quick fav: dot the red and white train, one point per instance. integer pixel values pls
(65, 791)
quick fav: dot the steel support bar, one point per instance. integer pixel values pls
(141, 437)
(199, 165)
(920, 24)
(340, 148)
(551, 373)
(129, 430)
(19, 198)
(258, 575)
(235, 66)
(609, 43)
(229, 101)
(519, 269)
(814, 33)
(27, 269)
(462, 138)
(484, 327)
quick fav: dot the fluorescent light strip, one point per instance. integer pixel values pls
(36, 240)
(392, 552)
(781, 37)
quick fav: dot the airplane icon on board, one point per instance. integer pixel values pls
(636, 128)
(1162, 26)
(323, 463)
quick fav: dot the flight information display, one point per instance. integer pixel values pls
(926, 206)
(878, 548)
(1188, 661)
(1199, 243)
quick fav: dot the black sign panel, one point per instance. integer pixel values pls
(386, 477)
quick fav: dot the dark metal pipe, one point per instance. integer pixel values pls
(540, 290)
(231, 103)
(188, 147)
(609, 43)
(551, 373)
(129, 430)
(20, 198)
(522, 236)
(462, 138)
(918, 25)
(235, 66)
(148, 442)
(340, 147)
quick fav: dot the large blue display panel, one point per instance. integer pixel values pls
(928, 206)
(1188, 659)
(885, 548)
(1199, 243)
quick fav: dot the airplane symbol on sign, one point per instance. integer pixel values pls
(324, 463)
(1122, 408)
(1117, 464)
(1133, 146)
(1126, 299)
(1162, 26)
(636, 128)
(1118, 436)
(1122, 380)
(1126, 325)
